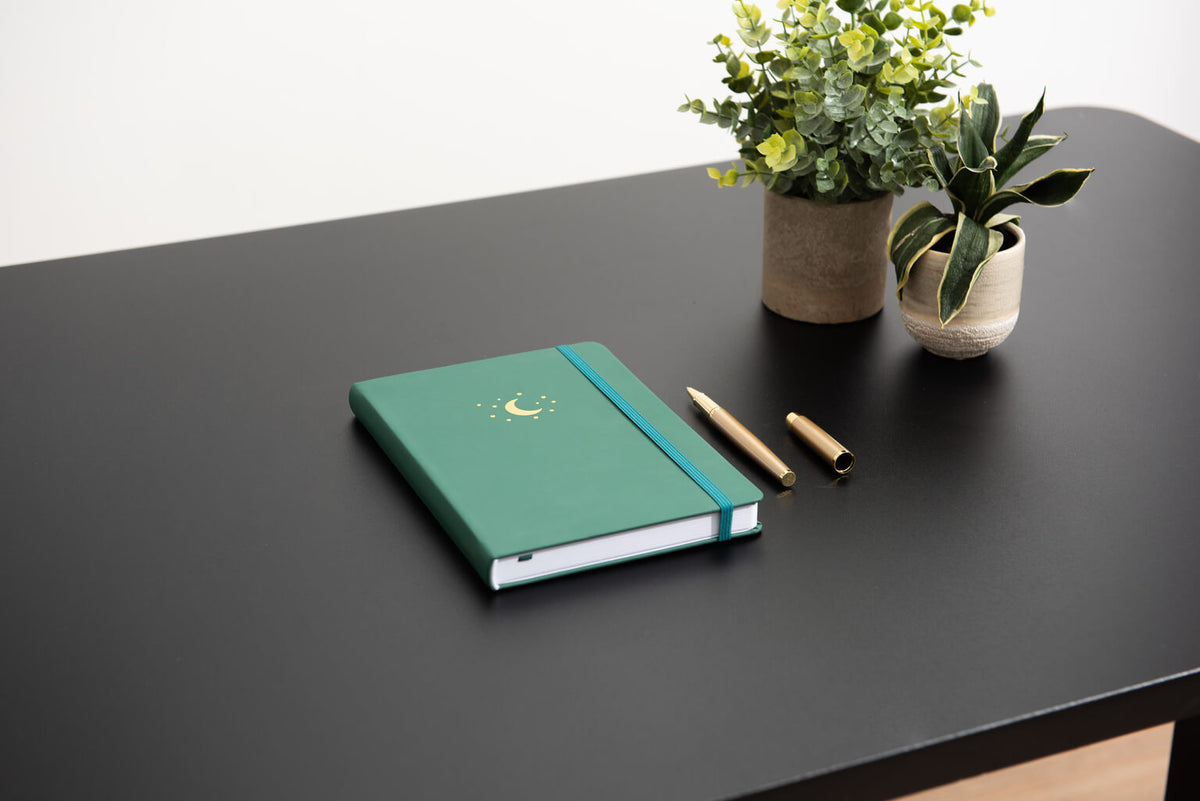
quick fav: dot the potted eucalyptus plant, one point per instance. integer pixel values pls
(958, 275)
(834, 114)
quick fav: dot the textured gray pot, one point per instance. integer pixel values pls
(825, 264)
(989, 315)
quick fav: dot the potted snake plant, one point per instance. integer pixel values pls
(833, 115)
(958, 275)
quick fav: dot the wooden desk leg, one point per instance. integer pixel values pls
(1183, 778)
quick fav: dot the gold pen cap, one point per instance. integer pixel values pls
(815, 437)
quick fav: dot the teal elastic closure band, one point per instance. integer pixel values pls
(725, 528)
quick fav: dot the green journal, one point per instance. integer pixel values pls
(535, 472)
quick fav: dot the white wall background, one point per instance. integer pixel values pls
(135, 122)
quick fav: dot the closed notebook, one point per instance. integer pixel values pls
(535, 472)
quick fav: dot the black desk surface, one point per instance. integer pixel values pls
(213, 584)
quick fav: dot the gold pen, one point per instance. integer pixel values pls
(728, 425)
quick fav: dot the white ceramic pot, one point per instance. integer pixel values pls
(825, 263)
(991, 310)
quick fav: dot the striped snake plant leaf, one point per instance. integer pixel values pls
(1007, 155)
(1053, 189)
(940, 161)
(997, 220)
(915, 232)
(988, 120)
(971, 149)
(970, 190)
(974, 246)
(1036, 146)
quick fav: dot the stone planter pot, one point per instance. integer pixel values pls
(825, 264)
(992, 307)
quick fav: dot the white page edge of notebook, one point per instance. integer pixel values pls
(615, 547)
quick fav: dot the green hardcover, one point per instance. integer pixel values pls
(521, 453)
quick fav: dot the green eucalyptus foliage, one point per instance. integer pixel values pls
(842, 103)
(973, 180)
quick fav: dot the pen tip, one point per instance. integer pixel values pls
(693, 393)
